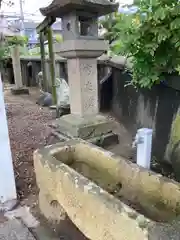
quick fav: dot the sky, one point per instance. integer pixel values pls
(31, 7)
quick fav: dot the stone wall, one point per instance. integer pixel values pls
(31, 66)
(157, 108)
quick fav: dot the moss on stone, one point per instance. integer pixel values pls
(173, 148)
(174, 136)
(175, 132)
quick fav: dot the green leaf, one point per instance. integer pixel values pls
(152, 37)
(175, 24)
(159, 14)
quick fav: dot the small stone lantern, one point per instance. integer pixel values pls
(81, 47)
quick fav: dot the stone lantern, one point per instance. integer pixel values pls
(81, 47)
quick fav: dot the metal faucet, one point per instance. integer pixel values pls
(137, 140)
(143, 144)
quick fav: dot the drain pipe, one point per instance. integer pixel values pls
(143, 143)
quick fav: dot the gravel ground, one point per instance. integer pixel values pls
(28, 130)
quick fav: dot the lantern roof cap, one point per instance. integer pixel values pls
(59, 8)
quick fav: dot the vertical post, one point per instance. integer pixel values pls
(7, 182)
(52, 64)
(22, 17)
(144, 146)
(43, 67)
(16, 66)
(83, 84)
(2, 43)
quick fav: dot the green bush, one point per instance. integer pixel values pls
(115, 26)
(8, 42)
(152, 40)
(17, 40)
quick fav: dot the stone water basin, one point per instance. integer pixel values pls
(106, 196)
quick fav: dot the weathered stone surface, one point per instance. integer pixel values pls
(82, 74)
(119, 62)
(8, 205)
(50, 208)
(62, 92)
(84, 127)
(24, 214)
(82, 48)
(106, 140)
(165, 231)
(14, 230)
(59, 8)
(62, 110)
(173, 148)
(15, 54)
(84, 178)
(19, 91)
(45, 99)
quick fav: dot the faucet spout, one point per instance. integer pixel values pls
(134, 143)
